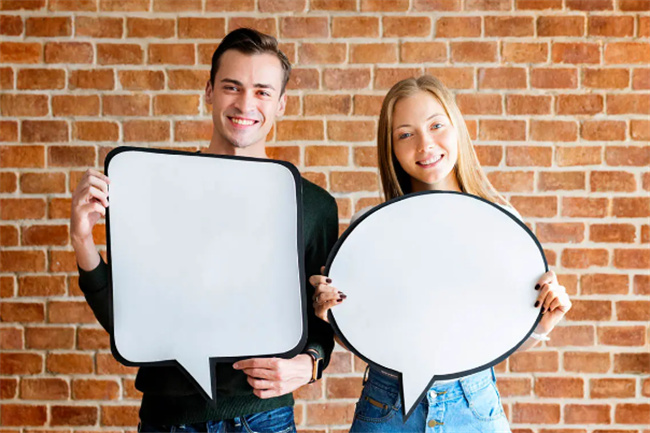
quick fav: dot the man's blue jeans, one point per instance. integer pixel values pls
(273, 421)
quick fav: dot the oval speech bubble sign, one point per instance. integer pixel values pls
(439, 285)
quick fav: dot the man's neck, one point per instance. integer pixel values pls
(219, 147)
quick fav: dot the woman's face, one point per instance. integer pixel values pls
(425, 142)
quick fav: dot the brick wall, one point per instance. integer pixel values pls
(555, 94)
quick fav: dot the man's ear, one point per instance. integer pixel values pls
(208, 92)
(282, 105)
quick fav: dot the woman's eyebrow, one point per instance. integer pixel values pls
(428, 118)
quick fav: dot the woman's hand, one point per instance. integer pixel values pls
(325, 296)
(553, 300)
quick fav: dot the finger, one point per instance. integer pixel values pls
(565, 302)
(316, 280)
(555, 304)
(321, 310)
(324, 297)
(542, 295)
(261, 373)
(99, 183)
(259, 383)
(92, 172)
(322, 270)
(93, 207)
(548, 300)
(262, 363)
(266, 393)
(548, 278)
(95, 192)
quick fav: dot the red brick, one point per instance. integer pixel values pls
(23, 415)
(308, 79)
(119, 54)
(640, 130)
(561, 232)
(633, 310)
(362, 130)
(126, 105)
(406, 26)
(473, 52)
(534, 362)
(632, 363)
(561, 180)
(9, 5)
(627, 156)
(48, 26)
(172, 54)
(22, 261)
(385, 78)
(514, 386)
(612, 181)
(284, 153)
(21, 311)
(554, 78)
(68, 52)
(502, 130)
(489, 155)
(325, 53)
(338, 79)
(632, 258)
(587, 362)
(73, 415)
(264, 25)
(630, 413)
(517, 26)
(21, 208)
(535, 206)
(345, 181)
(611, 388)
(553, 130)
(458, 27)
(44, 389)
(525, 52)
(587, 414)
(24, 105)
(564, 336)
(333, 5)
(517, 156)
(626, 53)
(98, 27)
(176, 105)
(33, 79)
(21, 52)
(41, 285)
(579, 104)
(8, 132)
(590, 310)
(75, 105)
(621, 335)
(344, 387)
(615, 26)
(481, 103)
(150, 28)
(8, 388)
(45, 235)
(529, 104)
(93, 389)
(11, 25)
(373, 53)
(326, 155)
(601, 284)
(69, 363)
(8, 182)
(628, 104)
(384, 5)
(98, 79)
(558, 25)
(179, 79)
(559, 387)
(487, 5)
(106, 364)
(578, 155)
(329, 413)
(631, 207)
(355, 27)
(365, 156)
(177, 5)
(70, 312)
(201, 28)
(282, 5)
(584, 258)
(422, 52)
(288, 130)
(512, 181)
(191, 130)
(124, 6)
(590, 5)
(73, 5)
(437, 5)
(8, 236)
(327, 104)
(634, 5)
(606, 78)
(536, 413)
(71, 156)
(95, 131)
(502, 78)
(304, 27)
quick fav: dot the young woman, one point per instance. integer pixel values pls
(423, 144)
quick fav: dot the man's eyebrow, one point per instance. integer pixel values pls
(239, 83)
(429, 118)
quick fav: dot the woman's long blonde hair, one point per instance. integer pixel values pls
(394, 179)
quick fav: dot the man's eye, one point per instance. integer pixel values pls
(263, 93)
(230, 88)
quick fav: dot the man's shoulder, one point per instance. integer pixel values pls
(316, 199)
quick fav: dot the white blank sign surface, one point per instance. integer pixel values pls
(205, 259)
(438, 285)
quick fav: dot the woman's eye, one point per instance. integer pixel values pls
(404, 135)
(437, 126)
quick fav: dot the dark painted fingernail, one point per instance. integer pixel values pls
(328, 280)
(537, 287)
(543, 310)
(343, 295)
(339, 300)
(536, 304)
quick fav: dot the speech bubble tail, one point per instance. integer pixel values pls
(199, 368)
(414, 388)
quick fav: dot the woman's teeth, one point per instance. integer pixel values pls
(431, 160)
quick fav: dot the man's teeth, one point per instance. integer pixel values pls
(242, 121)
(431, 160)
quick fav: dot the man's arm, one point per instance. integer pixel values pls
(89, 202)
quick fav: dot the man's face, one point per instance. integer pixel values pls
(246, 97)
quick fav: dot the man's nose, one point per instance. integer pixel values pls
(245, 102)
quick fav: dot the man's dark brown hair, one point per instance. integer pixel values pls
(249, 41)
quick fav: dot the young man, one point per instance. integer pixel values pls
(247, 92)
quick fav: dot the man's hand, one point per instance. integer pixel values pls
(272, 377)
